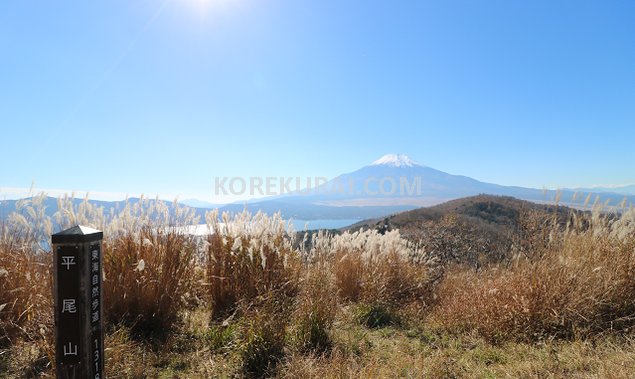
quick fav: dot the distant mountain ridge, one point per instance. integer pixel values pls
(391, 184)
(363, 189)
(51, 206)
(195, 203)
(628, 189)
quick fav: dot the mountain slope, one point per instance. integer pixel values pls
(473, 230)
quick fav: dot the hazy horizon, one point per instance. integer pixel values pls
(14, 193)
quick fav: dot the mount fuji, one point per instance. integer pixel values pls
(395, 183)
(395, 160)
(391, 184)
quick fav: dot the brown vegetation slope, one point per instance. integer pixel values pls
(475, 230)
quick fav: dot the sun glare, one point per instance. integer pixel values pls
(204, 5)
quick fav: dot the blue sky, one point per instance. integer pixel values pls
(160, 97)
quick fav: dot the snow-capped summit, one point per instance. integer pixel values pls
(395, 160)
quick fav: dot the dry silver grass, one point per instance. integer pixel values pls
(376, 268)
(25, 275)
(316, 308)
(582, 285)
(249, 258)
(149, 266)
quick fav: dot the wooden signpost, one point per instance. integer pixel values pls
(78, 303)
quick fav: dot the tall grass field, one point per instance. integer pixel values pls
(252, 298)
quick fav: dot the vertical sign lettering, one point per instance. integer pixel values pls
(95, 312)
(68, 294)
(78, 303)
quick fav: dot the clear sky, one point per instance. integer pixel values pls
(160, 97)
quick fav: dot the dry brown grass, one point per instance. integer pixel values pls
(401, 356)
(375, 268)
(149, 266)
(148, 275)
(26, 278)
(316, 307)
(125, 358)
(25, 288)
(275, 309)
(249, 258)
(26, 322)
(582, 285)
